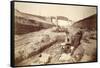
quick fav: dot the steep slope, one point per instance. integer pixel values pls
(87, 23)
(25, 23)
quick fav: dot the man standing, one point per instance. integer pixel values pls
(67, 44)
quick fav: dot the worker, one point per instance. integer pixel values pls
(67, 44)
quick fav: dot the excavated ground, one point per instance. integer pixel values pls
(29, 47)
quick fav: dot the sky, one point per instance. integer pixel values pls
(72, 12)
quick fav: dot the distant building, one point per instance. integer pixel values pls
(59, 20)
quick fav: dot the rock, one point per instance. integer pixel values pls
(78, 53)
(44, 58)
(65, 57)
(45, 38)
(86, 58)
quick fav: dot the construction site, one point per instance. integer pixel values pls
(43, 40)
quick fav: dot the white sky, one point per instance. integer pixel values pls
(73, 12)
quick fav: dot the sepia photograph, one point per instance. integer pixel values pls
(53, 33)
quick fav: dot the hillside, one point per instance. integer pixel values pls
(25, 23)
(87, 23)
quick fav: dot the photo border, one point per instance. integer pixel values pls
(12, 50)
